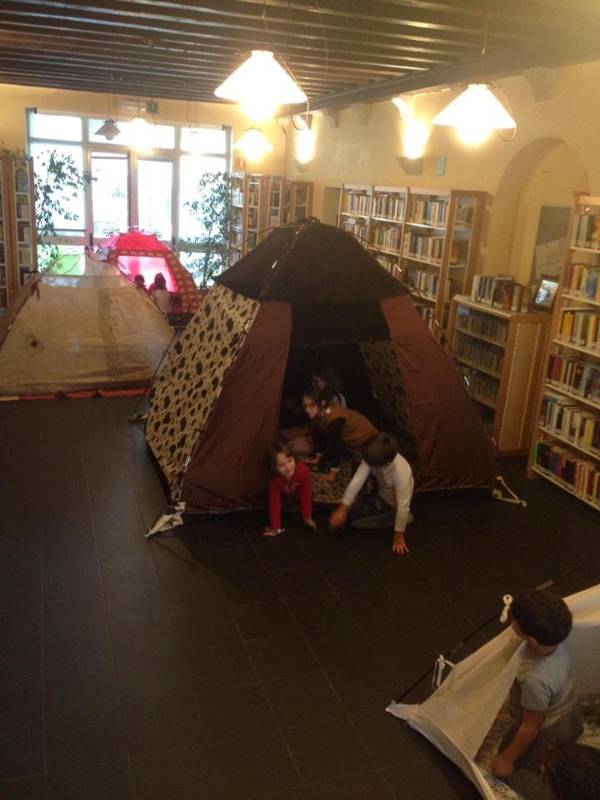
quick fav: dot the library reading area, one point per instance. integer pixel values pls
(300, 383)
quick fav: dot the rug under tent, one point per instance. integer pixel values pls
(590, 712)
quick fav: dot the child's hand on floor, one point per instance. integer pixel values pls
(502, 767)
(399, 546)
(310, 523)
(338, 517)
(273, 531)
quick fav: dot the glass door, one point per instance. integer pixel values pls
(155, 197)
(110, 193)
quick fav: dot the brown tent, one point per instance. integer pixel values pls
(306, 289)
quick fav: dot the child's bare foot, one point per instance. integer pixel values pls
(273, 531)
(310, 523)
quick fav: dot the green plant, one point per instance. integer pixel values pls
(211, 209)
(57, 179)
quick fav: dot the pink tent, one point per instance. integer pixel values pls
(140, 253)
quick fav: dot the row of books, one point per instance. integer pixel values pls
(429, 212)
(390, 206)
(429, 247)
(501, 291)
(253, 196)
(580, 474)
(426, 313)
(583, 281)
(423, 280)
(388, 238)
(579, 377)
(21, 180)
(358, 229)
(565, 417)
(357, 203)
(479, 353)
(481, 385)
(580, 326)
(585, 231)
(482, 324)
(237, 197)
(23, 211)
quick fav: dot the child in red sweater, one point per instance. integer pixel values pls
(291, 479)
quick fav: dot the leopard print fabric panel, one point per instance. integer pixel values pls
(188, 385)
(386, 382)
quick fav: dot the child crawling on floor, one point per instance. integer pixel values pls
(542, 703)
(395, 484)
(291, 482)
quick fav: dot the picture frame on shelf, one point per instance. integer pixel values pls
(545, 294)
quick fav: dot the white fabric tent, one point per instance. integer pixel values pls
(457, 717)
(75, 332)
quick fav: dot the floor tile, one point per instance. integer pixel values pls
(281, 656)
(328, 749)
(339, 647)
(168, 724)
(234, 709)
(102, 782)
(263, 619)
(323, 611)
(302, 699)
(84, 740)
(181, 774)
(21, 749)
(302, 582)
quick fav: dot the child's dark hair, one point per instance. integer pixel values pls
(573, 771)
(543, 615)
(327, 373)
(278, 447)
(380, 450)
(318, 396)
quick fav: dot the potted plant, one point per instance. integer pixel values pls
(211, 208)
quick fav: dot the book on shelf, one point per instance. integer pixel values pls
(464, 215)
(581, 327)
(581, 474)
(356, 203)
(585, 231)
(583, 281)
(429, 212)
(480, 353)
(581, 378)
(389, 206)
(480, 323)
(501, 291)
(564, 417)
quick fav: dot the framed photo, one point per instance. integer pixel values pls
(546, 293)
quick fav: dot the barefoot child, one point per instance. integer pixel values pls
(394, 486)
(291, 479)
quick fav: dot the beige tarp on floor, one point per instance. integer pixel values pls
(91, 331)
(457, 716)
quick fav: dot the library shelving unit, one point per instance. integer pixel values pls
(276, 204)
(248, 213)
(18, 250)
(440, 248)
(386, 225)
(566, 446)
(500, 353)
(298, 200)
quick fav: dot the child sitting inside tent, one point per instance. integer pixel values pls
(325, 378)
(568, 772)
(345, 430)
(395, 484)
(291, 479)
(160, 294)
(542, 704)
(140, 282)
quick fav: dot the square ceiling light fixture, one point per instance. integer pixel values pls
(475, 113)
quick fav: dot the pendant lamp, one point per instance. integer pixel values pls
(109, 129)
(260, 85)
(475, 113)
(254, 144)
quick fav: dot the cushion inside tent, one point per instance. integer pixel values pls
(460, 714)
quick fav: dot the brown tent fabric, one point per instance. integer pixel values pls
(229, 469)
(454, 449)
(304, 288)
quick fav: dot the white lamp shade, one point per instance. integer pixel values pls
(254, 144)
(476, 106)
(109, 129)
(261, 84)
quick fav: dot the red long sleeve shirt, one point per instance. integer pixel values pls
(299, 487)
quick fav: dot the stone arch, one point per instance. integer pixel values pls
(546, 171)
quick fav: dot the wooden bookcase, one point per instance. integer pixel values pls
(248, 213)
(500, 353)
(276, 204)
(299, 200)
(427, 239)
(566, 446)
(18, 244)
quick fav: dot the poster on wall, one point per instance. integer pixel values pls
(551, 241)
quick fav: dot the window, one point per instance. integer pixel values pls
(144, 187)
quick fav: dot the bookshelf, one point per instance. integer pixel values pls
(276, 205)
(428, 240)
(440, 248)
(248, 213)
(500, 354)
(18, 246)
(299, 200)
(566, 446)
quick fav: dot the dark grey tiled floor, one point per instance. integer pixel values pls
(214, 664)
